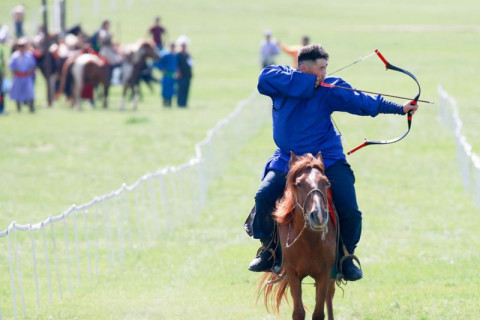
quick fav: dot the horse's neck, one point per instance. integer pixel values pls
(138, 56)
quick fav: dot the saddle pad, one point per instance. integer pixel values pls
(331, 207)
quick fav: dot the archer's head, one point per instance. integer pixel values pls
(313, 59)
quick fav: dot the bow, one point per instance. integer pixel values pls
(414, 101)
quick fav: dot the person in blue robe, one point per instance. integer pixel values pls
(301, 114)
(168, 64)
(22, 64)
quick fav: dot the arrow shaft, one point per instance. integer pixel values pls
(372, 92)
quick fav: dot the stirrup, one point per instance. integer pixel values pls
(348, 255)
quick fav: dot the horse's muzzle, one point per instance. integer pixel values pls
(318, 220)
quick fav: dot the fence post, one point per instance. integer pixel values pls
(56, 259)
(47, 261)
(35, 266)
(67, 254)
(87, 243)
(12, 275)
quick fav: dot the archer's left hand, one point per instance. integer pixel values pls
(409, 107)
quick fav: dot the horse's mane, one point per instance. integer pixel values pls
(144, 42)
(283, 213)
(129, 48)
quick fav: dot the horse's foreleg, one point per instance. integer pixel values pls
(322, 290)
(135, 97)
(124, 93)
(329, 301)
(77, 100)
(106, 87)
(296, 292)
(51, 93)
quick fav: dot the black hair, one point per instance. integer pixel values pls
(312, 52)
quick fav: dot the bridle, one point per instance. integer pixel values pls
(323, 228)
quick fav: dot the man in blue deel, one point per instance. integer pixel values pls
(301, 114)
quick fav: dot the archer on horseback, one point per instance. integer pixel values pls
(303, 101)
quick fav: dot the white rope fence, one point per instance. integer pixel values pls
(469, 162)
(44, 261)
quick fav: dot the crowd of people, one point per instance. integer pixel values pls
(177, 73)
(18, 66)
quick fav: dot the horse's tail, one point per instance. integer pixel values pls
(63, 76)
(273, 288)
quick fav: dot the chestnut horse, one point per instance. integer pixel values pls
(308, 238)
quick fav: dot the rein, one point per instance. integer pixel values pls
(324, 227)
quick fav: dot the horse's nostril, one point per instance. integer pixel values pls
(315, 216)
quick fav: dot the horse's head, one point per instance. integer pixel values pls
(149, 50)
(309, 189)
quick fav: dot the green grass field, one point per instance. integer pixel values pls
(419, 247)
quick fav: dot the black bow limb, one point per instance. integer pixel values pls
(414, 101)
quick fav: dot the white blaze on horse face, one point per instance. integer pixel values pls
(315, 197)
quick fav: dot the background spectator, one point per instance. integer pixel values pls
(268, 50)
(294, 49)
(157, 32)
(2, 74)
(18, 14)
(168, 64)
(184, 73)
(22, 64)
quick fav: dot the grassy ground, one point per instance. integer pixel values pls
(420, 240)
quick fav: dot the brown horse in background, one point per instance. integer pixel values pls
(308, 238)
(86, 67)
(135, 57)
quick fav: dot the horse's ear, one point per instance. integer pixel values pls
(293, 159)
(319, 156)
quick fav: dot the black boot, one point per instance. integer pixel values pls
(350, 271)
(266, 257)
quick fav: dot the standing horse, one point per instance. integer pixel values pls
(133, 64)
(86, 67)
(308, 238)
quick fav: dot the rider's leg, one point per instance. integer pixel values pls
(31, 106)
(342, 179)
(270, 190)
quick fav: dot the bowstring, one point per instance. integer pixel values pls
(351, 64)
(342, 137)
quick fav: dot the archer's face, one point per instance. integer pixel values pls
(317, 68)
